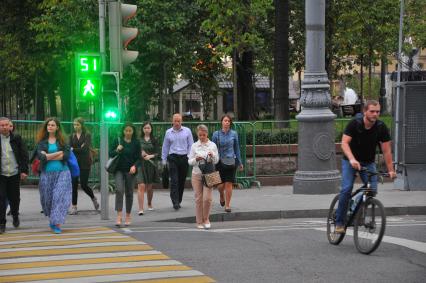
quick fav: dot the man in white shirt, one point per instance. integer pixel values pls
(13, 169)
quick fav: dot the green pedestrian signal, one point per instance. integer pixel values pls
(88, 72)
(89, 89)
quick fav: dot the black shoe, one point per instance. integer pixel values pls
(2, 228)
(176, 206)
(16, 221)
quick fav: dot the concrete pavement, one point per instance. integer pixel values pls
(247, 204)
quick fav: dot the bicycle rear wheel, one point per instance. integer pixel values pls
(370, 225)
(333, 237)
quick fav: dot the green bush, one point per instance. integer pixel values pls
(285, 136)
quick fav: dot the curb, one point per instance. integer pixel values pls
(280, 214)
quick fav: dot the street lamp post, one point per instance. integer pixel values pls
(317, 173)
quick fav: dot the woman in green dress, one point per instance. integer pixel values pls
(147, 173)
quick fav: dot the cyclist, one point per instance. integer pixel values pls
(359, 141)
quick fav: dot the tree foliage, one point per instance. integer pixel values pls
(187, 39)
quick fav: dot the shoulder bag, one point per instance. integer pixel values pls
(73, 165)
(111, 165)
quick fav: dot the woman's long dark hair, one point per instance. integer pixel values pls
(151, 135)
(128, 124)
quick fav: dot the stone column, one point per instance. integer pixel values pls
(317, 173)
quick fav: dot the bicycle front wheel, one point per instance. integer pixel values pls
(333, 237)
(369, 226)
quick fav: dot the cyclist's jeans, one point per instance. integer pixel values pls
(348, 178)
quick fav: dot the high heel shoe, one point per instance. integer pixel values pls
(128, 221)
(118, 222)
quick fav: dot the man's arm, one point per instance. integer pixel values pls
(165, 149)
(190, 141)
(348, 152)
(387, 154)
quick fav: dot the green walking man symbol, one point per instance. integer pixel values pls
(89, 88)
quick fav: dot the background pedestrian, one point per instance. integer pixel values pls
(128, 148)
(176, 147)
(228, 146)
(147, 171)
(81, 144)
(13, 169)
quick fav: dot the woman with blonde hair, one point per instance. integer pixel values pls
(55, 178)
(202, 151)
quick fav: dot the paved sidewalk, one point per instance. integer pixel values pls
(247, 204)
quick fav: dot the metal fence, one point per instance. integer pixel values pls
(268, 148)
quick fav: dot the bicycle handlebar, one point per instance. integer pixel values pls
(371, 173)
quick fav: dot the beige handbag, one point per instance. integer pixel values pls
(210, 176)
(212, 179)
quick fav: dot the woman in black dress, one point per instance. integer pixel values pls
(147, 172)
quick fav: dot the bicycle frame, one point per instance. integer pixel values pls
(367, 193)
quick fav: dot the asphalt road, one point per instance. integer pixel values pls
(290, 250)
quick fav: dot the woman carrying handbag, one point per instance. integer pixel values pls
(128, 148)
(202, 151)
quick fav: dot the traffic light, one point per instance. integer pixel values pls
(89, 89)
(120, 36)
(88, 72)
(110, 96)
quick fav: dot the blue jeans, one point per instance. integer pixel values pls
(348, 178)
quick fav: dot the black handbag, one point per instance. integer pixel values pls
(165, 177)
(112, 163)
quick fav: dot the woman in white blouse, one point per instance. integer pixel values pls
(202, 150)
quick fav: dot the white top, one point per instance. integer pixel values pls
(9, 165)
(199, 149)
(350, 96)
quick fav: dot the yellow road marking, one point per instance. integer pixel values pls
(75, 251)
(82, 261)
(194, 279)
(87, 273)
(64, 231)
(63, 243)
(59, 236)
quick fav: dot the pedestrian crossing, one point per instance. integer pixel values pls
(93, 254)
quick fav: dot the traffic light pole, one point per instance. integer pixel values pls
(103, 126)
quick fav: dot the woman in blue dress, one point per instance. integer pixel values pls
(55, 179)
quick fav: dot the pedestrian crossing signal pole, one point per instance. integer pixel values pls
(103, 129)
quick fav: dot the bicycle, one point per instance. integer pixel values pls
(367, 216)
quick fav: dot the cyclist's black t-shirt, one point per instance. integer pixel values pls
(364, 142)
